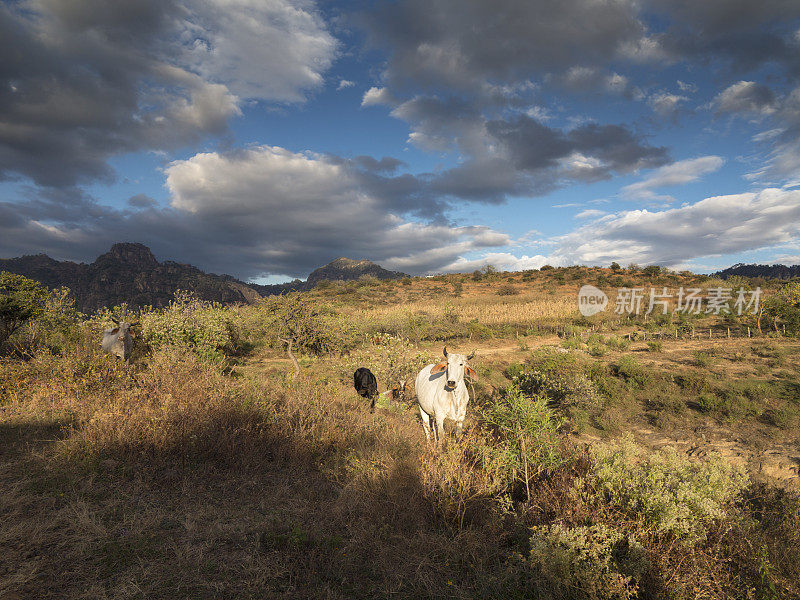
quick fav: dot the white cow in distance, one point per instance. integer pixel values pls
(442, 393)
(118, 341)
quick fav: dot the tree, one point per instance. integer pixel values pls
(652, 271)
(21, 299)
(615, 267)
(783, 308)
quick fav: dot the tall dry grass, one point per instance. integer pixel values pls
(522, 310)
(173, 477)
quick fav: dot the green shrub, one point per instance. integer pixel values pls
(205, 328)
(702, 359)
(313, 327)
(597, 350)
(766, 350)
(478, 330)
(21, 299)
(655, 346)
(54, 328)
(617, 343)
(632, 371)
(525, 429)
(507, 290)
(561, 387)
(709, 403)
(594, 562)
(782, 309)
(666, 490)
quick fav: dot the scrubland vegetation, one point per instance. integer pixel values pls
(595, 464)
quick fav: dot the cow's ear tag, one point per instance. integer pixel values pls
(439, 368)
(472, 373)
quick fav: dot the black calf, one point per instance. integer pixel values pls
(366, 385)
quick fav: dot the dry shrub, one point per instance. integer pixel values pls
(179, 407)
(667, 491)
(207, 329)
(588, 562)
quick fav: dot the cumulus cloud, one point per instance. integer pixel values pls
(581, 78)
(677, 173)
(745, 96)
(664, 103)
(588, 152)
(461, 43)
(141, 201)
(272, 51)
(253, 212)
(741, 39)
(376, 96)
(84, 81)
(503, 261)
(517, 154)
(718, 225)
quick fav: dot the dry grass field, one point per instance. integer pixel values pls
(603, 457)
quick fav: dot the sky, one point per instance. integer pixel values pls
(265, 138)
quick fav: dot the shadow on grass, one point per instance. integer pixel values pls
(19, 438)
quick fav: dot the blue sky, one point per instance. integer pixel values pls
(264, 139)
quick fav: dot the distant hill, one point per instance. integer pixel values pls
(764, 271)
(129, 273)
(341, 269)
(347, 269)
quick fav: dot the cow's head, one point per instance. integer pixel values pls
(123, 328)
(455, 366)
(399, 390)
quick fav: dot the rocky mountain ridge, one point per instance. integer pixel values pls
(130, 273)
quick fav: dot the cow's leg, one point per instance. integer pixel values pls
(426, 423)
(372, 404)
(459, 428)
(439, 430)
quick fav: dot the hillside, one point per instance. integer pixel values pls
(763, 271)
(341, 269)
(346, 269)
(129, 273)
(615, 456)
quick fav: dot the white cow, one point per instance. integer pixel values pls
(118, 341)
(442, 393)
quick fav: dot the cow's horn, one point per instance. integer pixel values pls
(471, 356)
(445, 351)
